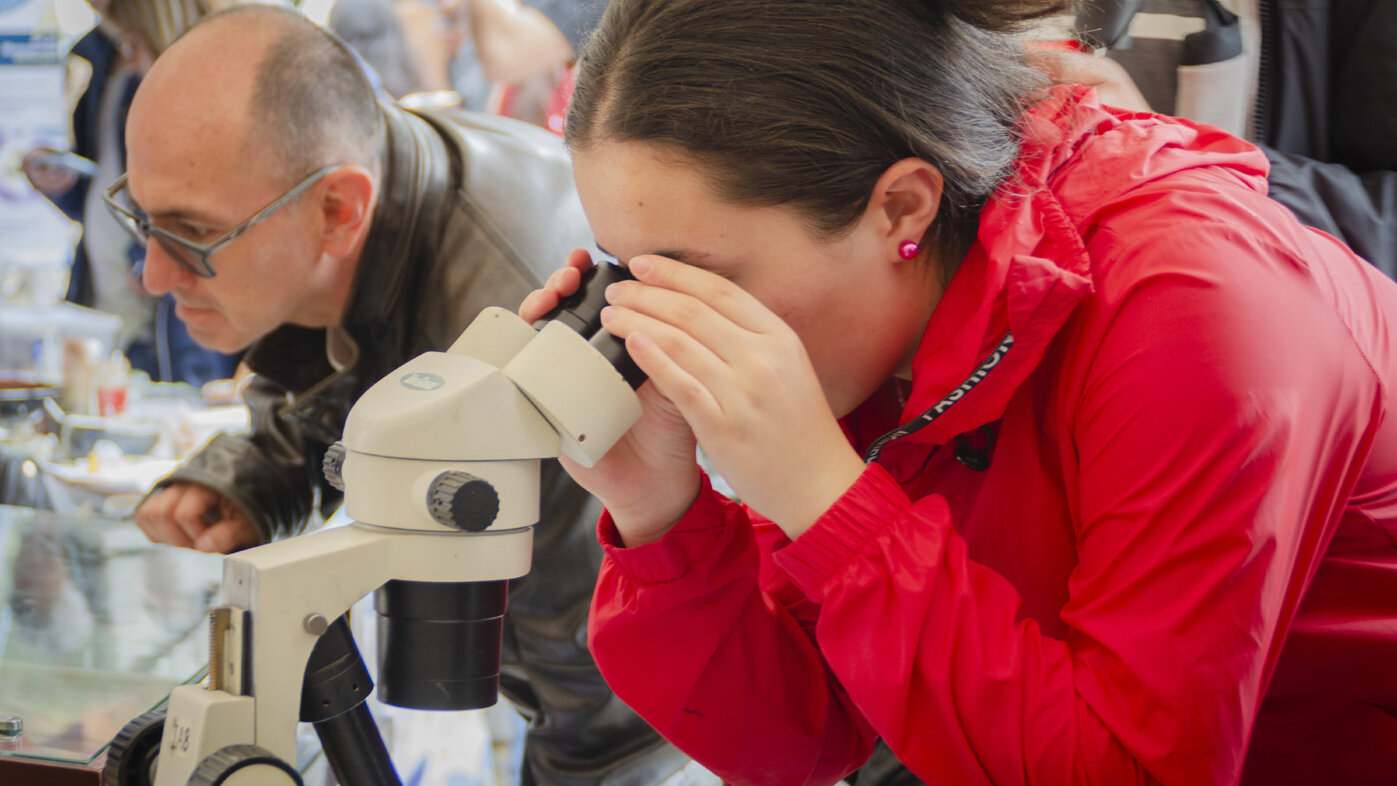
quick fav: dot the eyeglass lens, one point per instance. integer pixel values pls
(133, 220)
(185, 257)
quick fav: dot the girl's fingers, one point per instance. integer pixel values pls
(694, 399)
(579, 258)
(564, 280)
(723, 296)
(678, 345)
(636, 306)
(537, 303)
(561, 283)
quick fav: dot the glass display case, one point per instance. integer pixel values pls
(97, 625)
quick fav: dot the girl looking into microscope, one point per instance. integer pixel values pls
(1064, 454)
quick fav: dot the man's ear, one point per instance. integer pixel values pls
(904, 203)
(346, 202)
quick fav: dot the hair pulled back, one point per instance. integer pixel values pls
(806, 103)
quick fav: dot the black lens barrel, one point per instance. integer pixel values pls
(439, 643)
(581, 311)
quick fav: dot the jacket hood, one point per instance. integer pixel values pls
(1028, 268)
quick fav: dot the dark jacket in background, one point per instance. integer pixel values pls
(475, 211)
(171, 355)
(1326, 105)
(1327, 118)
(373, 32)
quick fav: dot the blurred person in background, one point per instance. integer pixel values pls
(377, 31)
(504, 57)
(372, 30)
(110, 60)
(336, 236)
(1312, 82)
(522, 55)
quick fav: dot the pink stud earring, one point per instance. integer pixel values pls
(908, 249)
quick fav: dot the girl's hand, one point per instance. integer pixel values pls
(741, 379)
(562, 283)
(650, 477)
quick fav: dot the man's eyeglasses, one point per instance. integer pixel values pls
(192, 256)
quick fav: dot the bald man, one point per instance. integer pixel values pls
(288, 212)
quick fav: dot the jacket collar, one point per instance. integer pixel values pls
(419, 175)
(1028, 269)
(1020, 281)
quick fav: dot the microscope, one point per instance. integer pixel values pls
(440, 468)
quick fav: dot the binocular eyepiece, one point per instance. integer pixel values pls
(581, 311)
(439, 643)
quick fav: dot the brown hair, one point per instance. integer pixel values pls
(807, 102)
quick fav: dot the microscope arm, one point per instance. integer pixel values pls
(440, 467)
(287, 592)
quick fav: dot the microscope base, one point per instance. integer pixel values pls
(283, 596)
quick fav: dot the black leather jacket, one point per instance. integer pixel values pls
(475, 211)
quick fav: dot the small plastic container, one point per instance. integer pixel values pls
(32, 337)
(110, 383)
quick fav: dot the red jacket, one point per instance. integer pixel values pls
(1180, 564)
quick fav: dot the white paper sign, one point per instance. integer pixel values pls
(36, 239)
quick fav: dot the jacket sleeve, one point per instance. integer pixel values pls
(1201, 504)
(1359, 208)
(270, 473)
(740, 686)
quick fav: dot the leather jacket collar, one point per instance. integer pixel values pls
(416, 180)
(419, 174)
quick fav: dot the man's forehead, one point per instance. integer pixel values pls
(209, 74)
(172, 146)
(188, 136)
(205, 192)
(182, 158)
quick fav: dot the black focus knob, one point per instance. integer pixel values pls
(463, 501)
(133, 753)
(230, 763)
(332, 466)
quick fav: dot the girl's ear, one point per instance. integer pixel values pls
(903, 205)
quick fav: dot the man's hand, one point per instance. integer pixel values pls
(192, 516)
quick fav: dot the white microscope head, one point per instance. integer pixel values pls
(504, 393)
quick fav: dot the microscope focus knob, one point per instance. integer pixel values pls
(243, 764)
(463, 501)
(132, 756)
(332, 466)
